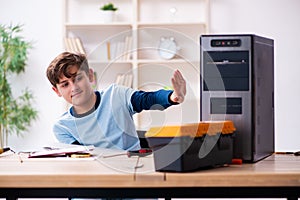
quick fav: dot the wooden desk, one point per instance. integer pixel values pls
(277, 176)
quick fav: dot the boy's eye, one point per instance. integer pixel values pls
(78, 78)
(65, 84)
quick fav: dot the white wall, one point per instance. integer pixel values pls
(277, 19)
(280, 20)
(42, 24)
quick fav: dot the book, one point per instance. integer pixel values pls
(79, 45)
(128, 80)
(74, 45)
(127, 48)
(125, 80)
(57, 152)
(120, 50)
(67, 45)
(108, 50)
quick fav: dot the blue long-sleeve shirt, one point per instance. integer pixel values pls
(158, 100)
(110, 123)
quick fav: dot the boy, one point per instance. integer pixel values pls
(102, 118)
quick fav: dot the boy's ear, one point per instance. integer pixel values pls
(56, 91)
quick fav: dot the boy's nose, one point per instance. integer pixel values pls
(74, 85)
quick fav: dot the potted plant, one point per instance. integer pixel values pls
(16, 114)
(108, 12)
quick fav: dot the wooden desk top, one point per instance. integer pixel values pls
(22, 172)
(276, 170)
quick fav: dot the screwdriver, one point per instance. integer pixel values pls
(140, 153)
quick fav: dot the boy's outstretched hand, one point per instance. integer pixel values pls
(179, 86)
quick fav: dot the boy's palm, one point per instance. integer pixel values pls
(179, 86)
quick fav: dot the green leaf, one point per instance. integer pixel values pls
(16, 114)
(109, 6)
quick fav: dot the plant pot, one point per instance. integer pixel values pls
(108, 16)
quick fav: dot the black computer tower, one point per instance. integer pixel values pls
(237, 83)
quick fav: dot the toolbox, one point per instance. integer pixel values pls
(190, 147)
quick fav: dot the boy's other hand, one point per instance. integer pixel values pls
(179, 86)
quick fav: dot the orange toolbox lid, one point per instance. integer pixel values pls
(193, 129)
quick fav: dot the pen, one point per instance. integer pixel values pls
(2, 150)
(80, 155)
(297, 153)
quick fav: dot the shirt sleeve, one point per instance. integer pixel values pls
(62, 135)
(158, 100)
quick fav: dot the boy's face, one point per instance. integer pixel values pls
(76, 90)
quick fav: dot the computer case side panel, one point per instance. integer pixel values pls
(262, 98)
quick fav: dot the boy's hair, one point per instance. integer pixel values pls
(60, 66)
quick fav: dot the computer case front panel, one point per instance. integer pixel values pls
(237, 73)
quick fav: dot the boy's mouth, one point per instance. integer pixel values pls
(76, 94)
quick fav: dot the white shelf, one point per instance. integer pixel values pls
(161, 61)
(97, 25)
(171, 23)
(109, 62)
(145, 22)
